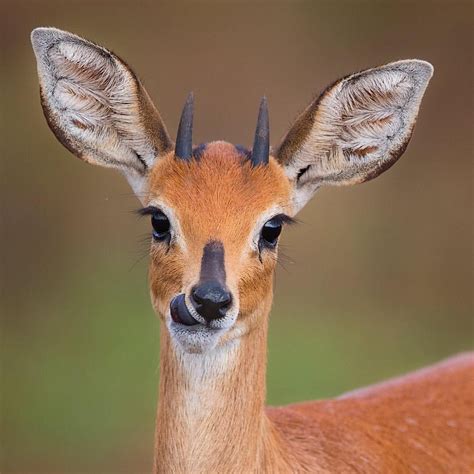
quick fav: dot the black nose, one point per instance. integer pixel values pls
(211, 300)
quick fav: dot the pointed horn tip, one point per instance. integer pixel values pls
(188, 109)
(184, 138)
(263, 112)
(261, 144)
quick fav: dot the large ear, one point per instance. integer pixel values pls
(356, 129)
(97, 107)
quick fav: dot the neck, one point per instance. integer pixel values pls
(211, 414)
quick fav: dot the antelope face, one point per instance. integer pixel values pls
(216, 219)
(216, 211)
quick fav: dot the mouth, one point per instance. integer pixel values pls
(180, 313)
(194, 336)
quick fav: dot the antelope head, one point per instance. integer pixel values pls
(216, 209)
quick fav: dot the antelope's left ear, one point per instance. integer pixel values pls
(356, 129)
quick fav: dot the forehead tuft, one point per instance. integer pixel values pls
(221, 148)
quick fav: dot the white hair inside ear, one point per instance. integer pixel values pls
(356, 129)
(96, 106)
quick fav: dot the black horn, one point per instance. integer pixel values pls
(261, 144)
(184, 138)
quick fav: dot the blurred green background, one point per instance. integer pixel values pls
(377, 279)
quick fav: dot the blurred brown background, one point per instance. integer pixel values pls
(382, 275)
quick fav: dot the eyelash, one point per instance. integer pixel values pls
(283, 219)
(147, 211)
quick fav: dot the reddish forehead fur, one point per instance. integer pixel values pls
(219, 189)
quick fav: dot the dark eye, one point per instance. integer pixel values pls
(270, 232)
(161, 226)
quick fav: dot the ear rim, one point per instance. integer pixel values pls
(302, 130)
(149, 120)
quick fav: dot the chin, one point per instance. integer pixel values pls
(202, 339)
(197, 339)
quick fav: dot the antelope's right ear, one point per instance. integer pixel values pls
(97, 107)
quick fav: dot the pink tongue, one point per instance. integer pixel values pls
(180, 313)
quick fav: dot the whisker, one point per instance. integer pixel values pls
(143, 249)
(141, 258)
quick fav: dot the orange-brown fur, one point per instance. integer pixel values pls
(395, 427)
(216, 198)
(211, 415)
(419, 423)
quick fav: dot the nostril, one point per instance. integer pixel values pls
(196, 294)
(227, 300)
(211, 300)
(224, 299)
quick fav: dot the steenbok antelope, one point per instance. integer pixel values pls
(216, 213)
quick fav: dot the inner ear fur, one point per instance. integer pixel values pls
(95, 104)
(356, 129)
